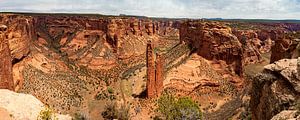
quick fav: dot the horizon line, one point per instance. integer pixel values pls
(130, 15)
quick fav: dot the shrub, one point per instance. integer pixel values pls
(123, 113)
(177, 109)
(80, 116)
(112, 112)
(110, 90)
(298, 106)
(101, 95)
(47, 114)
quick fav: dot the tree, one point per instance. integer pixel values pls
(183, 108)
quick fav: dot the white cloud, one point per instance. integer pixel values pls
(272, 9)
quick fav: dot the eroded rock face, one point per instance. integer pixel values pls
(97, 43)
(159, 74)
(266, 41)
(151, 90)
(50, 44)
(6, 76)
(251, 45)
(214, 41)
(155, 72)
(19, 33)
(276, 89)
(281, 47)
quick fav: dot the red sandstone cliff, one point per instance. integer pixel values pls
(6, 78)
(94, 42)
(281, 48)
(99, 42)
(214, 41)
(151, 86)
(251, 45)
(18, 36)
(155, 72)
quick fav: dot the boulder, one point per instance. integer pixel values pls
(275, 89)
(287, 68)
(23, 106)
(287, 115)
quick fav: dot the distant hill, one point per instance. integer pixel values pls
(137, 16)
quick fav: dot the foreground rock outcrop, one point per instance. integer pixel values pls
(276, 89)
(23, 106)
(287, 115)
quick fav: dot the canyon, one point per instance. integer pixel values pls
(78, 63)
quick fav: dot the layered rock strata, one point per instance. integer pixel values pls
(6, 75)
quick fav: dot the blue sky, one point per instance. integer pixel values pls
(266, 9)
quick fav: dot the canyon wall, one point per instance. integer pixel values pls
(19, 34)
(214, 41)
(281, 39)
(69, 49)
(282, 43)
(108, 38)
(6, 76)
(286, 45)
(238, 46)
(251, 45)
(280, 49)
(93, 42)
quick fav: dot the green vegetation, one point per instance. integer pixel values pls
(293, 35)
(178, 108)
(110, 90)
(113, 112)
(79, 116)
(123, 113)
(47, 114)
(103, 95)
(298, 106)
(246, 115)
